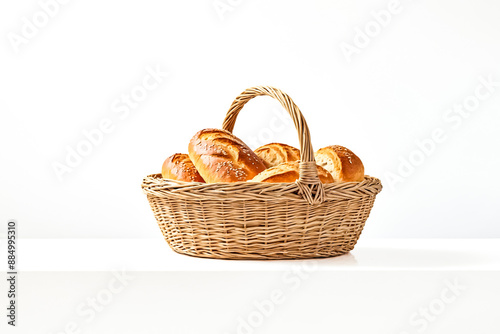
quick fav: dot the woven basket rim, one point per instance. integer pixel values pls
(154, 184)
(157, 177)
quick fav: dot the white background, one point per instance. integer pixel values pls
(395, 91)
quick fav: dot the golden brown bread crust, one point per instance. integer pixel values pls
(219, 156)
(180, 167)
(341, 162)
(276, 153)
(289, 172)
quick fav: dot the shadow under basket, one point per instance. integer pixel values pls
(255, 220)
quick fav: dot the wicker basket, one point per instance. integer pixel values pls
(251, 220)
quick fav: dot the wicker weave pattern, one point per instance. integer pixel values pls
(251, 220)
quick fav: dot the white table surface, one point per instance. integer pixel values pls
(142, 286)
(155, 255)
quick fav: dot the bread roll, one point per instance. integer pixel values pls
(341, 163)
(289, 172)
(219, 156)
(180, 167)
(275, 153)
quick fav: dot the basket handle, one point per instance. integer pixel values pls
(309, 184)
